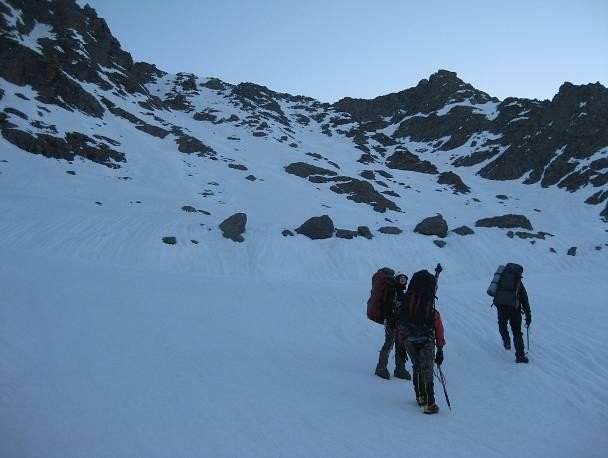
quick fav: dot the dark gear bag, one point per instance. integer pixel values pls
(417, 314)
(380, 302)
(508, 286)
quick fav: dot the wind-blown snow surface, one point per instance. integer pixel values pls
(113, 344)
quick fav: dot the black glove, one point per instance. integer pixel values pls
(439, 356)
(528, 320)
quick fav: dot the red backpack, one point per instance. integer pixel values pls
(381, 282)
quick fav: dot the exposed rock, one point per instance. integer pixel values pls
(475, 158)
(361, 191)
(317, 227)
(364, 231)
(287, 233)
(429, 95)
(404, 160)
(237, 166)
(189, 209)
(304, 170)
(250, 178)
(233, 226)
(74, 144)
(434, 225)
(390, 230)
(16, 112)
(189, 145)
(505, 222)
(215, 84)
(604, 213)
(597, 198)
(440, 243)
(169, 240)
(571, 251)
(528, 235)
(463, 230)
(346, 234)
(70, 172)
(502, 197)
(368, 174)
(453, 180)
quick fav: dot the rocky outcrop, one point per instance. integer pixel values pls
(454, 181)
(390, 230)
(234, 226)
(317, 227)
(405, 160)
(304, 170)
(363, 192)
(463, 230)
(434, 225)
(505, 222)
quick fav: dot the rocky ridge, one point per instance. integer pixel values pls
(56, 57)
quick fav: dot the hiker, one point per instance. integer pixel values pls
(422, 329)
(392, 298)
(511, 301)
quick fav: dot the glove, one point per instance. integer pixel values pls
(528, 321)
(439, 356)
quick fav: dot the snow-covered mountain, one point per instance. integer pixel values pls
(186, 261)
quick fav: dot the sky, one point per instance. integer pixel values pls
(356, 48)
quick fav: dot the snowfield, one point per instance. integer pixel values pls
(113, 344)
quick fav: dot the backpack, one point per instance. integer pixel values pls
(495, 280)
(508, 285)
(382, 285)
(417, 313)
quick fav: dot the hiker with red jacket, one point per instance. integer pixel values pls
(422, 331)
(391, 291)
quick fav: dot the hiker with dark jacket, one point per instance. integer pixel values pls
(393, 295)
(511, 301)
(421, 329)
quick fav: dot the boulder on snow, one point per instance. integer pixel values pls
(233, 226)
(364, 231)
(390, 230)
(317, 227)
(434, 225)
(505, 222)
(571, 251)
(463, 230)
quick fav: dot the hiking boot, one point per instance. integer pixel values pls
(430, 409)
(507, 344)
(383, 373)
(420, 400)
(522, 359)
(402, 374)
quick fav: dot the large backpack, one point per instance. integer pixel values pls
(417, 313)
(382, 286)
(508, 285)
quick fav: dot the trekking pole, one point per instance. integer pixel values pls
(441, 378)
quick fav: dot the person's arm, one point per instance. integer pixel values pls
(525, 304)
(439, 333)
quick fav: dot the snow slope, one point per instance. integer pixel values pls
(113, 344)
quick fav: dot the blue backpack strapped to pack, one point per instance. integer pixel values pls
(495, 280)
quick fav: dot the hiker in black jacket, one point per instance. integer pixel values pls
(511, 301)
(393, 297)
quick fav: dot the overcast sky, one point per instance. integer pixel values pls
(329, 49)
